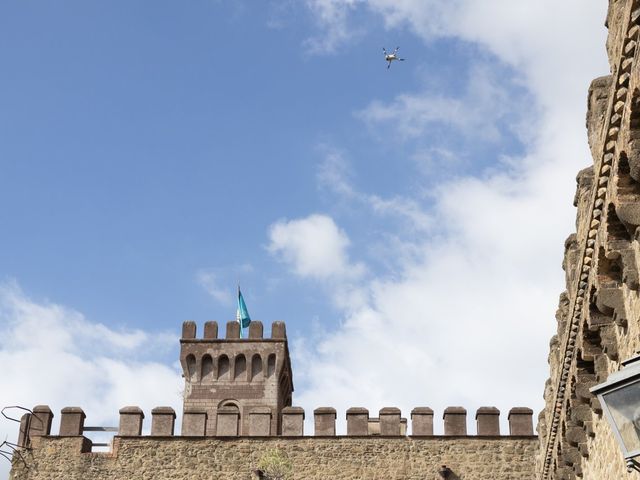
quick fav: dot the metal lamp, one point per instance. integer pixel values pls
(620, 400)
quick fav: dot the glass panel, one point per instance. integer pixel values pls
(624, 407)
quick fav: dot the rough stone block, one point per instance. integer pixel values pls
(521, 421)
(278, 330)
(422, 421)
(374, 426)
(256, 330)
(581, 413)
(194, 422)
(233, 330)
(488, 421)
(227, 424)
(40, 421)
(575, 435)
(23, 434)
(324, 421)
(357, 421)
(455, 421)
(390, 421)
(211, 330)
(130, 422)
(72, 421)
(188, 329)
(403, 426)
(293, 421)
(260, 422)
(163, 421)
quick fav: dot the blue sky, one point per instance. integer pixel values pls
(153, 154)
(143, 144)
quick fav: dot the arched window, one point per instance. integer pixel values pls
(206, 374)
(191, 367)
(241, 368)
(230, 402)
(229, 421)
(256, 368)
(223, 367)
(271, 365)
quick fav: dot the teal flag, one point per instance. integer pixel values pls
(242, 314)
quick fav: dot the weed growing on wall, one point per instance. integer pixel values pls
(275, 465)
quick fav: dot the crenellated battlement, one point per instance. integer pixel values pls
(256, 332)
(389, 423)
(164, 455)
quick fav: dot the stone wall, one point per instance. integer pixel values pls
(348, 458)
(360, 454)
(599, 313)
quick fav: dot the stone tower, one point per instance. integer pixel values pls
(235, 386)
(598, 318)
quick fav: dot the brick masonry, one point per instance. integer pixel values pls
(232, 372)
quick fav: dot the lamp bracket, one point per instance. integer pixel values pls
(633, 464)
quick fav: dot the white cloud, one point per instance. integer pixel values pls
(314, 247)
(208, 279)
(334, 175)
(474, 114)
(460, 320)
(51, 354)
(466, 315)
(434, 158)
(333, 18)
(213, 281)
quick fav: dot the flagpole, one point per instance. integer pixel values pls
(238, 313)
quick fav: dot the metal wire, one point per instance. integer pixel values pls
(14, 406)
(14, 450)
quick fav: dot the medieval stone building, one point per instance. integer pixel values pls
(237, 411)
(238, 392)
(599, 312)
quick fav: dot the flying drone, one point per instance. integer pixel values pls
(390, 57)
